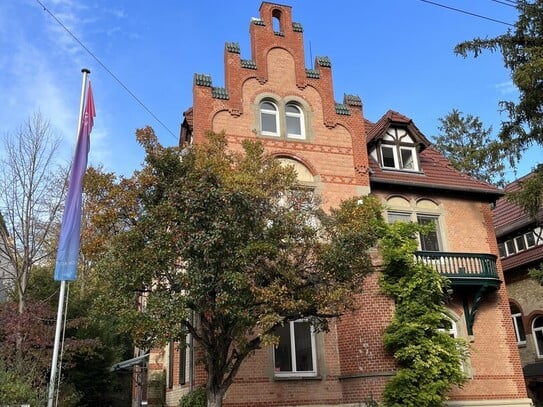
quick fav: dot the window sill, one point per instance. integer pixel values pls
(295, 378)
(415, 172)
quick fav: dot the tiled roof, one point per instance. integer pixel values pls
(324, 61)
(297, 27)
(202, 79)
(375, 131)
(352, 100)
(220, 93)
(233, 47)
(312, 73)
(188, 114)
(248, 64)
(436, 171)
(508, 216)
(342, 109)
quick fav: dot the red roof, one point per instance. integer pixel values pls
(436, 172)
(509, 216)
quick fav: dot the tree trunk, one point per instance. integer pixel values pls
(214, 398)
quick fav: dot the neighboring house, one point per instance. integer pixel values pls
(520, 243)
(274, 98)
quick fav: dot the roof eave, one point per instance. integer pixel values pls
(491, 196)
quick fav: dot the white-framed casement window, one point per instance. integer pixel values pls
(518, 326)
(430, 241)
(537, 332)
(397, 151)
(295, 354)
(294, 119)
(449, 327)
(520, 243)
(269, 119)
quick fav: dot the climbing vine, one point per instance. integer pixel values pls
(429, 360)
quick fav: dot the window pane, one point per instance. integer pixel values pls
(283, 351)
(267, 106)
(519, 328)
(408, 161)
(292, 109)
(538, 322)
(388, 156)
(501, 249)
(269, 123)
(304, 352)
(510, 246)
(539, 342)
(430, 240)
(521, 245)
(398, 217)
(530, 239)
(294, 126)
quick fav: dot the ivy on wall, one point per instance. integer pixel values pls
(429, 359)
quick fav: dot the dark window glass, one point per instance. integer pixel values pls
(521, 245)
(388, 156)
(501, 249)
(430, 240)
(530, 239)
(283, 351)
(304, 353)
(510, 246)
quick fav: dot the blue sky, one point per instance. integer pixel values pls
(394, 54)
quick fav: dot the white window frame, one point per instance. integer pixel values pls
(399, 140)
(535, 332)
(414, 217)
(517, 319)
(262, 110)
(294, 372)
(300, 116)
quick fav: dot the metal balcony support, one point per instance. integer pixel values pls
(475, 273)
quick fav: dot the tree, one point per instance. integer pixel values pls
(231, 239)
(469, 147)
(32, 187)
(522, 51)
(429, 360)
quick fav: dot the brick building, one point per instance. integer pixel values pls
(520, 243)
(275, 98)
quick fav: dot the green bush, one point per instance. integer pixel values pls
(196, 398)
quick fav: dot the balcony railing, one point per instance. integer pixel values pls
(463, 268)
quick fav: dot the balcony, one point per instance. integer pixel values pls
(476, 273)
(463, 269)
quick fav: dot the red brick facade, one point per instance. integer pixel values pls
(352, 364)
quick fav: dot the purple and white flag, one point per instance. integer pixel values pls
(68, 245)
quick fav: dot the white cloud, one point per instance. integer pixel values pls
(506, 88)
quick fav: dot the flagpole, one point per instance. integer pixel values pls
(61, 299)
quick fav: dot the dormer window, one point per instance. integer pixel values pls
(397, 150)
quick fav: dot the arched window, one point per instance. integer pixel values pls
(516, 315)
(269, 119)
(537, 331)
(295, 121)
(276, 21)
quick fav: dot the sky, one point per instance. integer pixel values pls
(394, 54)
